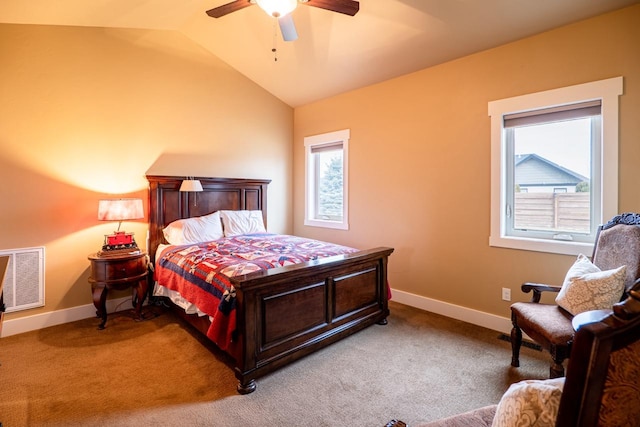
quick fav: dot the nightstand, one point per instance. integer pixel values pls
(117, 272)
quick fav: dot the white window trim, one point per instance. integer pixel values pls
(608, 91)
(319, 140)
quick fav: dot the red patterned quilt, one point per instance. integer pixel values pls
(200, 273)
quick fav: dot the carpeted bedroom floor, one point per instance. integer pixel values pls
(419, 367)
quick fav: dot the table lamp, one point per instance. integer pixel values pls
(119, 210)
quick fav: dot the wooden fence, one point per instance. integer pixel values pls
(553, 211)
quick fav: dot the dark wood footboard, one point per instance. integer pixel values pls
(287, 313)
(284, 313)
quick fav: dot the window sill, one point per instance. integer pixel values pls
(539, 245)
(326, 224)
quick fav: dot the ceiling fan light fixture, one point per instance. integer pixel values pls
(277, 8)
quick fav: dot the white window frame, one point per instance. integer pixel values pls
(579, 110)
(315, 141)
(607, 91)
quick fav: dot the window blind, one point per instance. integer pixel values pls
(332, 146)
(553, 114)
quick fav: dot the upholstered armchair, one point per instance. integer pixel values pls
(600, 389)
(617, 244)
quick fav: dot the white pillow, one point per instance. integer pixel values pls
(242, 222)
(582, 265)
(530, 403)
(587, 288)
(194, 230)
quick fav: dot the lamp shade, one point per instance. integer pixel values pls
(278, 8)
(191, 185)
(120, 209)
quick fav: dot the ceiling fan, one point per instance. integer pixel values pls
(281, 9)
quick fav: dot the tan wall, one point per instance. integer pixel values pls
(420, 142)
(86, 112)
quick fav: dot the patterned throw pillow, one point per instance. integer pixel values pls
(530, 403)
(587, 288)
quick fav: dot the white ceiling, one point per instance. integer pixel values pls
(334, 53)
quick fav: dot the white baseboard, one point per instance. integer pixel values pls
(52, 318)
(40, 321)
(469, 315)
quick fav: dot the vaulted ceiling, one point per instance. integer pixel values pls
(334, 52)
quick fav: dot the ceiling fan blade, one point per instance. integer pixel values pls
(288, 28)
(225, 9)
(348, 7)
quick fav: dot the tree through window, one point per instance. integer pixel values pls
(326, 180)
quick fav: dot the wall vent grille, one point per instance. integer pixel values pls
(24, 281)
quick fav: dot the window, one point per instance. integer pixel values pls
(554, 167)
(326, 180)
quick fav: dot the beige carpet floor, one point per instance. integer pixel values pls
(419, 367)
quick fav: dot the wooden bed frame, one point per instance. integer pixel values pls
(284, 313)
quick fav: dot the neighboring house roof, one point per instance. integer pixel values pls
(534, 170)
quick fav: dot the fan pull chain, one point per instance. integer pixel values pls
(275, 40)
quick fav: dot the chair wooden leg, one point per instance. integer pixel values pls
(516, 343)
(558, 354)
(557, 369)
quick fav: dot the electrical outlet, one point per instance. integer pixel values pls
(506, 294)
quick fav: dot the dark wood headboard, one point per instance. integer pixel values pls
(167, 203)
